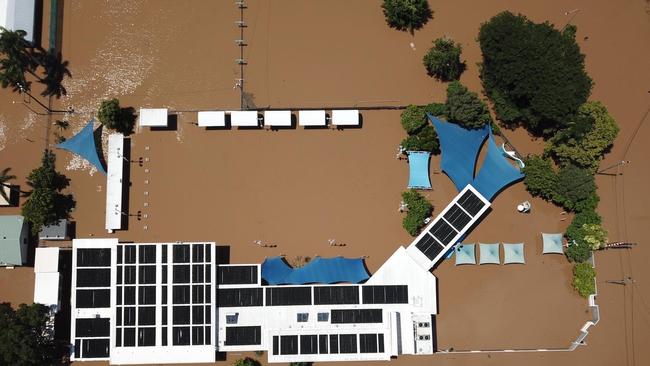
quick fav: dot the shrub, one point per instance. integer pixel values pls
(418, 210)
(578, 251)
(533, 72)
(574, 231)
(583, 279)
(465, 108)
(586, 139)
(539, 177)
(594, 235)
(573, 186)
(413, 119)
(246, 362)
(425, 140)
(407, 14)
(436, 109)
(442, 61)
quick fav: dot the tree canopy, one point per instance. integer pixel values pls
(112, 116)
(533, 72)
(24, 337)
(46, 204)
(465, 108)
(407, 14)
(574, 186)
(587, 137)
(442, 61)
(539, 177)
(421, 134)
(583, 279)
(418, 210)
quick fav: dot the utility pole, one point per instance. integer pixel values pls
(239, 83)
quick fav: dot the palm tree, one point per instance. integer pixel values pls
(5, 177)
(19, 57)
(55, 71)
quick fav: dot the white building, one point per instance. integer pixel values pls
(18, 15)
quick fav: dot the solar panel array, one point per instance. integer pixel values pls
(309, 344)
(331, 295)
(237, 275)
(92, 290)
(240, 336)
(356, 316)
(389, 294)
(441, 233)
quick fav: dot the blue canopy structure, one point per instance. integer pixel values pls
(496, 172)
(552, 243)
(419, 169)
(465, 254)
(459, 148)
(513, 253)
(489, 253)
(276, 271)
(83, 144)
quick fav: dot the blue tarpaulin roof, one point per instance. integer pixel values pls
(496, 172)
(276, 271)
(419, 169)
(83, 144)
(459, 147)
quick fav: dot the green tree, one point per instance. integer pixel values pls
(594, 235)
(247, 361)
(24, 338)
(436, 109)
(533, 73)
(5, 177)
(591, 132)
(407, 14)
(578, 251)
(413, 119)
(425, 140)
(17, 58)
(421, 134)
(418, 210)
(465, 108)
(113, 117)
(442, 61)
(586, 217)
(301, 363)
(574, 185)
(539, 177)
(583, 279)
(46, 204)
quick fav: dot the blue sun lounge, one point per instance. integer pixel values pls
(552, 243)
(83, 144)
(489, 253)
(465, 254)
(513, 253)
(419, 170)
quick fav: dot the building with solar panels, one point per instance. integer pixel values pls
(171, 303)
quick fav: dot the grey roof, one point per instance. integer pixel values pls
(11, 227)
(55, 231)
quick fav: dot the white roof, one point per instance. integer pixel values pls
(243, 118)
(345, 117)
(277, 118)
(153, 117)
(46, 260)
(212, 119)
(46, 288)
(312, 118)
(18, 15)
(114, 184)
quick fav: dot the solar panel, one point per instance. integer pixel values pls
(457, 217)
(93, 298)
(235, 275)
(181, 274)
(181, 336)
(181, 253)
(92, 327)
(425, 242)
(129, 254)
(239, 336)
(146, 315)
(129, 295)
(322, 344)
(442, 231)
(277, 296)
(147, 295)
(180, 315)
(197, 314)
(197, 273)
(94, 277)
(348, 343)
(308, 344)
(147, 274)
(147, 253)
(433, 251)
(197, 294)
(471, 203)
(129, 315)
(352, 316)
(95, 348)
(334, 343)
(93, 257)
(233, 297)
(276, 345)
(146, 337)
(197, 336)
(289, 345)
(380, 342)
(197, 253)
(129, 275)
(331, 295)
(389, 294)
(129, 337)
(368, 343)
